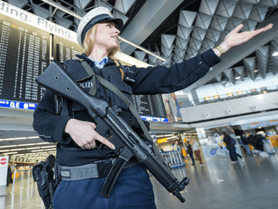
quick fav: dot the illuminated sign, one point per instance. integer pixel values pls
(163, 140)
(254, 125)
(33, 20)
(272, 122)
(155, 119)
(17, 105)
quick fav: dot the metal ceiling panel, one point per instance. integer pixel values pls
(250, 65)
(262, 55)
(187, 18)
(258, 13)
(270, 3)
(140, 55)
(147, 19)
(208, 6)
(124, 5)
(181, 42)
(203, 21)
(81, 4)
(199, 33)
(184, 32)
(167, 40)
(18, 3)
(219, 23)
(226, 8)
(243, 10)
(213, 35)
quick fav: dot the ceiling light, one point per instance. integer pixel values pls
(17, 149)
(37, 150)
(275, 54)
(9, 153)
(33, 148)
(19, 138)
(43, 143)
(49, 146)
(207, 98)
(6, 150)
(238, 77)
(22, 145)
(255, 71)
(8, 146)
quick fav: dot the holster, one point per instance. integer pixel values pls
(44, 176)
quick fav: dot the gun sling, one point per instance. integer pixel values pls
(128, 143)
(116, 169)
(127, 102)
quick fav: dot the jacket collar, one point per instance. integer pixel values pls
(91, 62)
(81, 74)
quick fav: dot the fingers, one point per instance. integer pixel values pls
(104, 141)
(89, 145)
(94, 125)
(261, 30)
(269, 26)
(238, 28)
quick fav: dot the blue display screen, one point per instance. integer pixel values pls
(155, 119)
(17, 105)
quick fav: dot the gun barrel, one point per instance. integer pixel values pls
(144, 154)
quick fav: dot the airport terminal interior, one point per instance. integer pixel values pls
(237, 98)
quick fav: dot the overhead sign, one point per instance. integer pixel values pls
(17, 105)
(162, 140)
(254, 125)
(154, 119)
(36, 21)
(273, 122)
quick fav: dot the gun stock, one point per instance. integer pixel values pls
(56, 79)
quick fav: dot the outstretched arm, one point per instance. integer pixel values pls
(234, 38)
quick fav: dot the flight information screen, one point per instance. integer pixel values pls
(64, 49)
(24, 55)
(149, 105)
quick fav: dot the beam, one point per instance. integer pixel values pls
(150, 16)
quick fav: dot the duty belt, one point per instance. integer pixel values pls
(98, 169)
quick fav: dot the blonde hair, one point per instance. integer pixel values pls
(89, 45)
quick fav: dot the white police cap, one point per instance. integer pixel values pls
(96, 15)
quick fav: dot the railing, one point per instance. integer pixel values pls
(261, 103)
(224, 97)
(22, 189)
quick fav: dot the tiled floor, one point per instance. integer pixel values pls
(252, 183)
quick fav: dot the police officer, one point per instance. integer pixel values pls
(84, 161)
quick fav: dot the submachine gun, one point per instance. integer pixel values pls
(127, 142)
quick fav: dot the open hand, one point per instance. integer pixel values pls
(234, 38)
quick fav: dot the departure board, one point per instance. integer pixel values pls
(24, 55)
(149, 105)
(64, 49)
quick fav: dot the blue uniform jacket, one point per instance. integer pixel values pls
(150, 80)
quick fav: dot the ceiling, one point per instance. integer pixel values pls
(176, 30)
